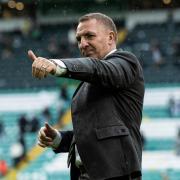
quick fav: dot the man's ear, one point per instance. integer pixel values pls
(112, 37)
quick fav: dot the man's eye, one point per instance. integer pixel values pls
(78, 39)
(90, 36)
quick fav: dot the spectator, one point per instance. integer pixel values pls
(46, 115)
(18, 151)
(1, 128)
(157, 55)
(64, 92)
(65, 100)
(72, 43)
(27, 27)
(71, 36)
(165, 175)
(143, 138)
(3, 168)
(17, 42)
(34, 124)
(6, 54)
(176, 51)
(172, 106)
(122, 35)
(23, 124)
(178, 143)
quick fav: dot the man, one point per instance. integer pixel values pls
(106, 108)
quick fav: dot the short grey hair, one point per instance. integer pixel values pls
(104, 19)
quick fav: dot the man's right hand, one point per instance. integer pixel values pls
(41, 67)
(48, 137)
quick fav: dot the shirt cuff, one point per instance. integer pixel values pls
(57, 140)
(61, 68)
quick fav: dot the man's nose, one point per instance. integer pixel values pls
(83, 43)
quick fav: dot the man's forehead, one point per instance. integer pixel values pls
(87, 24)
(88, 21)
(85, 31)
(91, 25)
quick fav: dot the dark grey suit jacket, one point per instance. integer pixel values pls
(106, 115)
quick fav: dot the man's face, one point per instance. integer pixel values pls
(94, 39)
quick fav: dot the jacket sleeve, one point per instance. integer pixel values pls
(118, 70)
(65, 141)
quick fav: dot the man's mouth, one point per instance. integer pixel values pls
(87, 52)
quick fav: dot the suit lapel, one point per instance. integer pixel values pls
(71, 150)
(78, 88)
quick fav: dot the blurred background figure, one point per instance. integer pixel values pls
(3, 168)
(53, 47)
(176, 51)
(172, 106)
(46, 115)
(64, 93)
(72, 36)
(157, 55)
(122, 35)
(23, 125)
(2, 131)
(18, 151)
(34, 124)
(64, 98)
(178, 142)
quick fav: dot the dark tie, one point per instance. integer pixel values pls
(71, 151)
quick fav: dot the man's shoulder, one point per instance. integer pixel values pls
(125, 53)
(120, 53)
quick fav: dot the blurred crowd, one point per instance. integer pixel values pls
(64, 45)
(154, 50)
(53, 45)
(29, 123)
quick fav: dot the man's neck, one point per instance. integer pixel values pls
(110, 52)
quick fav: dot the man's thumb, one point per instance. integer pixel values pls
(50, 131)
(48, 127)
(31, 55)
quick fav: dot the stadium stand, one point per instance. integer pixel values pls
(159, 131)
(20, 93)
(140, 39)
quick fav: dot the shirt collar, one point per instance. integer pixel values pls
(110, 53)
